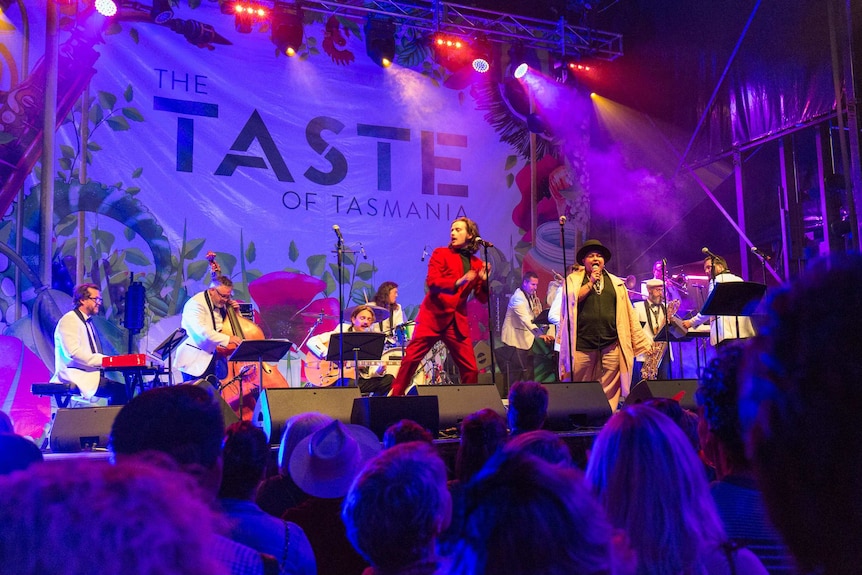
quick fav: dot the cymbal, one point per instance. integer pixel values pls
(321, 315)
(380, 313)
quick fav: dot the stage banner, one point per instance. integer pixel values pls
(201, 137)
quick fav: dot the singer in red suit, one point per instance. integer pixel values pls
(453, 274)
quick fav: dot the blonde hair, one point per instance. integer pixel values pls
(650, 481)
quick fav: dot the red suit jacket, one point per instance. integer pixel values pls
(443, 300)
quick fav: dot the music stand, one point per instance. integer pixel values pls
(259, 350)
(166, 350)
(363, 345)
(734, 299)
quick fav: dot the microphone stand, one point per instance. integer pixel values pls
(490, 317)
(566, 301)
(339, 248)
(664, 278)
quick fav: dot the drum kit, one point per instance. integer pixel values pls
(433, 368)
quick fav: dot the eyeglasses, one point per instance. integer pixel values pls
(96, 299)
(224, 295)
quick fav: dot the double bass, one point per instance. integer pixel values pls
(242, 376)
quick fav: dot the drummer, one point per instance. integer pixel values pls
(386, 298)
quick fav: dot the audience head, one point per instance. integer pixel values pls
(405, 431)
(524, 516)
(543, 444)
(182, 421)
(17, 453)
(528, 406)
(398, 505)
(325, 463)
(80, 517)
(646, 474)
(296, 429)
(482, 434)
(685, 419)
(800, 403)
(719, 428)
(245, 454)
(6, 423)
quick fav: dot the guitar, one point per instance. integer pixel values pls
(323, 373)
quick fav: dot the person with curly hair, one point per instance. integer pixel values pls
(735, 492)
(454, 274)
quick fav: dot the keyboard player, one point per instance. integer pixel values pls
(78, 351)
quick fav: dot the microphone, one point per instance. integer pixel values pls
(337, 231)
(485, 243)
(708, 253)
(562, 220)
(362, 251)
(424, 252)
(760, 254)
(595, 265)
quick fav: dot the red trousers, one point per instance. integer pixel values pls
(460, 348)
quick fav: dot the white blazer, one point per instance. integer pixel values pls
(74, 360)
(203, 328)
(519, 330)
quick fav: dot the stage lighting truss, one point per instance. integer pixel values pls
(287, 28)
(457, 20)
(566, 70)
(247, 14)
(380, 40)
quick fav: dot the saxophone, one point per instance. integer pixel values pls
(652, 358)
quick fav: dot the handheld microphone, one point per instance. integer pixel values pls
(562, 220)
(424, 252)
(760, 254)
(485, 243)
(362, 251)
(337, 231)
(595, 265)
(708, 253)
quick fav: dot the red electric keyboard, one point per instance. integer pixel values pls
(126, 360)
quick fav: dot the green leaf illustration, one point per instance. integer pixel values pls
(107, 100)
(133, 114)
(250, 253)
(316, 265)
(118, 123)
(293, 251)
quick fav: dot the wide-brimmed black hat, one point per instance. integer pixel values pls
(593, 246)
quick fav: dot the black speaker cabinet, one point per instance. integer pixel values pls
(378, 413)
(82, 428)
(576, 405)
(276, 406)
(665, 388)
(455, 402)
(227, 412)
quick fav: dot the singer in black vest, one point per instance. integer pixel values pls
(606, 335)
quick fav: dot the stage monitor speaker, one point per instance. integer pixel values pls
(228, 414)
(82, 428)
(668, 388)
(378, 413)
(455, 402)
(576, 405)
(275, 406)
